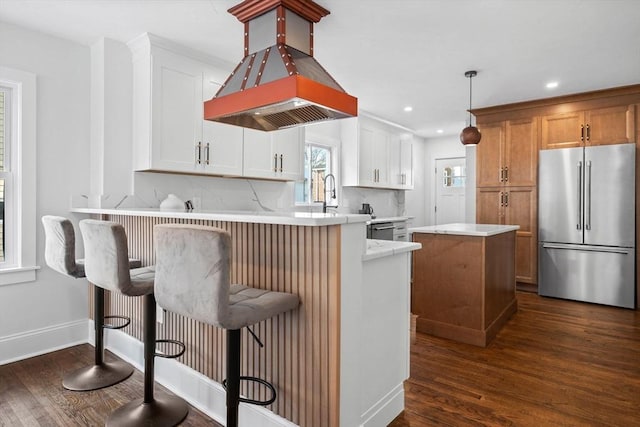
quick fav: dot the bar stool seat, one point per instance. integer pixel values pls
(59, 254)
(106, 255)
(193, 266)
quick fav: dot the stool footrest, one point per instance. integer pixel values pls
(110, 326)
(180, 344)
(252, 401)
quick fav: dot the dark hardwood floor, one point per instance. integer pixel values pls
(31, 393)
(555, 363)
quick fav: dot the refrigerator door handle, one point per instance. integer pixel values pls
(608, 249)
(587, 195)
(579, 226)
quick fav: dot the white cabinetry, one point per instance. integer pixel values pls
(274, 155)
(170, 133)
(376, 155)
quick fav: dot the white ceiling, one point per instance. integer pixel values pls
(393, 53)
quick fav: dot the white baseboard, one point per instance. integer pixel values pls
(40, 341)
(200, 391)
(386, 409)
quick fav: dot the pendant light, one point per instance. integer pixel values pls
(470, 135)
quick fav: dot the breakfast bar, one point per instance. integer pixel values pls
(464, 280)
(354, 296)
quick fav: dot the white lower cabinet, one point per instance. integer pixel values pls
(274, 155)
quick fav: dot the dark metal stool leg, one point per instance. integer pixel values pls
(161, 411)
(233, 376)
(101, 374)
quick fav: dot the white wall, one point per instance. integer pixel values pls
(438, 148)
(62, 72)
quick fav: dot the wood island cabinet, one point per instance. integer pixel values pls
(602, 126)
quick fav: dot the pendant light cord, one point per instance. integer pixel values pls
(470, 91)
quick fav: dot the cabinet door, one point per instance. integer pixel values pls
(489, 209)
(259, 160)
(395, 174)
(489, 155)
(562, 130)
(521, 209)
(288, 146)
(177, 112)
(613, 125)
(521, 152)
(223, 143)
(381, 158)
(406, 162)
(367, 173)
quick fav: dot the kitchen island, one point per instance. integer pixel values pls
(319, 357)
(464, 280)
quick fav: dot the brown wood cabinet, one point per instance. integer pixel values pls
(601, 126)
(517, 206)
(507, 154)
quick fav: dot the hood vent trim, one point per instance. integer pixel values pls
(279, 86)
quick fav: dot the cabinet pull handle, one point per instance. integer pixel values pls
(280, 162)
(588, 133)
(275, 163)
(501, 198)
(506, 174)
(581, 133)
(207, 150)
(501, 174)
(199, 153)
(506, 199)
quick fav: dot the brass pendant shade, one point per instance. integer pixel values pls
(470, 135)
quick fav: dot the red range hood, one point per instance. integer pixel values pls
(279, 84)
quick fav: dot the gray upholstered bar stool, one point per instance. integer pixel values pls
(106, 254)
(193, 266)
(59, 254)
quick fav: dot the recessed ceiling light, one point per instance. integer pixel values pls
(408, 108)
(552, 85)
(440, 131)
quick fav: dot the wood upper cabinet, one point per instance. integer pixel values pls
(507, 154)
(600, 126)
(517, 206)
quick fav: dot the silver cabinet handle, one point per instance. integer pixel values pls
(207, 149)
(199, 153)
(280, 162)
(579, 226)
(275, 163)
(587, 193)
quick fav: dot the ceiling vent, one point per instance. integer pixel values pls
(279, 84)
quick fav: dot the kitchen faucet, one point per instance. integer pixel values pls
(332, 191)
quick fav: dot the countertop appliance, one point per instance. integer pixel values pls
(380, 231)
(586, 219)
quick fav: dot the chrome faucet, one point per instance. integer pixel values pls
(332, 191)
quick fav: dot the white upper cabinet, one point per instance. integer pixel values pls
(375, 155)
(274, 155)
(170, 133)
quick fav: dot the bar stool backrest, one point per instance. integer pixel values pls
(106, 255)
(60, 246)
(193, 271)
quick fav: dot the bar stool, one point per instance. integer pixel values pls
(193, 279)
(59, 254)
(106, 255)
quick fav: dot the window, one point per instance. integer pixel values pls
(17, 176)
(453, 176)
(319, 161)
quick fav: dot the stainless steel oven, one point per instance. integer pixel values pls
(380, 231)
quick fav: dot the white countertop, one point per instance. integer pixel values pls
(482, 230)
(383, 248)
(281, 218)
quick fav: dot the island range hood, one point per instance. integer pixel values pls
(279, 84)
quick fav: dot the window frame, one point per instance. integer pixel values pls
(22, 210)
(334, 148)
(7, 176)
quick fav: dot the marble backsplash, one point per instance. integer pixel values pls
(214, 193)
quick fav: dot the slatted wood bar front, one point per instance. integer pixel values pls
(301, 356)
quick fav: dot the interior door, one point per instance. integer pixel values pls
(450, 190)
(560, 182)
(610, 195)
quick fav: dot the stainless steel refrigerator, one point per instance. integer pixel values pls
(586, 224)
